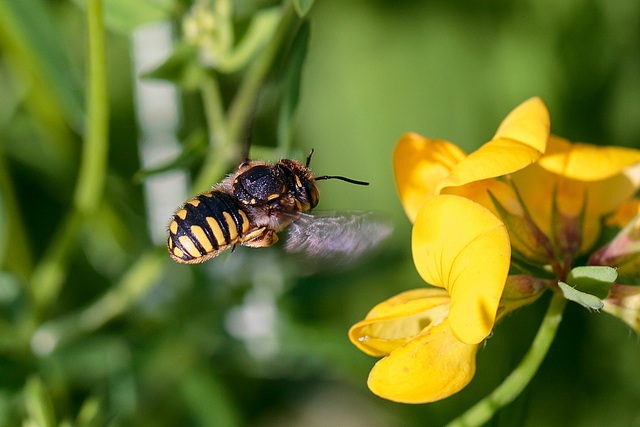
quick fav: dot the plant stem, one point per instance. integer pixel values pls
(134, 283)
(225, 151)
(93, 165)
(220, 149)
(19, 258)
(513, 385)
(243, 104)
(50, 272)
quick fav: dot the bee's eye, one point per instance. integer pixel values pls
(275, 205)
(312, 193)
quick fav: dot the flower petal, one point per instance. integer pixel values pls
(586, 162)
(397, 320)
(624, 214)
(537, 185)
(430, 367)
(520, 140)
(419, 164)
(461, 246)
(528, 123)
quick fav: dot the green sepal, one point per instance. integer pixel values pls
(584, 299)
(525, 234)
(522, 265)
(594, 280)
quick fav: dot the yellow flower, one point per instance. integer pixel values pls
(589, 182)
(525, 190)
(430, 336)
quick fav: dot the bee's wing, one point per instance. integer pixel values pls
(338, 237)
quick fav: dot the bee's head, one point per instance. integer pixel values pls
(305, 183)
(301, 182)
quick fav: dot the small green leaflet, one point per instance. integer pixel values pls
(586, 300)
(595, 280)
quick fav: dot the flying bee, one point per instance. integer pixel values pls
(249, 207)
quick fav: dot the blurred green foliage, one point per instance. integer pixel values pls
(99, 327)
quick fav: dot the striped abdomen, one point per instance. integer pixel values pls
(205, 226)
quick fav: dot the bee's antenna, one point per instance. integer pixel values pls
(248, 133)
(309, 158)
(342, 178)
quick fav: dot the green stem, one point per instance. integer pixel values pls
(225, 151)
(243, 104)
(93, 165)
(513, 385)
(15, 255)
(47, 101)
(220, 148)
(134, 283)
(50, 272)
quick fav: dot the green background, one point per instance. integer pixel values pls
(373, 71)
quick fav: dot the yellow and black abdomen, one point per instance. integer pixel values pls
(205, 226)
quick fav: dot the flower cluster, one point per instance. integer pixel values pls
(526, 202)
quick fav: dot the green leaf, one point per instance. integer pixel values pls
(302, 7)
(125, 15)
(10, 288)
(261, 28)
(38, 403)
(584, 299)
(593, 280)
(208, 400)
(3, 228)
(90, 413)
(181, 68)
(291, 79)
(29, 34)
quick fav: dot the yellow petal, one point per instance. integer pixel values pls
(478, 191)
(461, 246)
(399, 319)
(590, 233)
(624, 214)
(536, 186)
(605, 196)
(586, 162)
(520, 140)
(419, 164)
(430, 367)
(528, 123)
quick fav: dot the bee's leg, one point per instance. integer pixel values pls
(259, 238)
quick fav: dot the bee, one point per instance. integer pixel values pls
(248, 208)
